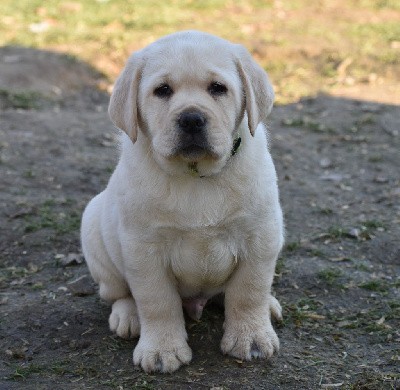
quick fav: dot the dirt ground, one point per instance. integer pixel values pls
(338, 277)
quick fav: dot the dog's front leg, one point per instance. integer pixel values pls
(248, 332)
(162, 345)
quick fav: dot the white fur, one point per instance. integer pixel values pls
(157, 234)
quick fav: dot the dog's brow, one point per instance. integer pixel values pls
(162, 77)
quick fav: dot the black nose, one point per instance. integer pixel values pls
(192, 122)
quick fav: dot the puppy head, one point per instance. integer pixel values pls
(187, 93)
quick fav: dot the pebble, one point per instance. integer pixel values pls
(354, 233)
(71, 259)
(82, 286)
(325, 163)
(334, 177)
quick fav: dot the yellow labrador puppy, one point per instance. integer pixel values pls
(192, 208)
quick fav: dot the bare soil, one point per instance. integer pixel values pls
(338, 277)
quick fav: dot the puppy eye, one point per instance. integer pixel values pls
(217, 89)
(163, 91)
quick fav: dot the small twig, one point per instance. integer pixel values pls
(87, 331)
(329, 385)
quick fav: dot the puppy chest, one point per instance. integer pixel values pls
(201, 260)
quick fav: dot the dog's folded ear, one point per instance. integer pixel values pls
(123, 107)
(258, 90)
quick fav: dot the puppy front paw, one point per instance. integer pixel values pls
(164, 354)
(247, 342)
(253, 336)
(124, 320)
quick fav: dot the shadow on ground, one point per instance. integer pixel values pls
(337, 278)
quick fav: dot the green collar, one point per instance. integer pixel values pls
(236, 145)
(193, 169)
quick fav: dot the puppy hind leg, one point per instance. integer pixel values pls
(112, 285)
(113, 288)
(105, 274)
(123, 320)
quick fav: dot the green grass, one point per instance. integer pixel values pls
(143, 384)
(302, 44)
(366, 230)
(8, 274)
(371, 380)
(301, 312)
(303, 122)
(316, 252)
(23, 372)
(379, 319)
(23, 100)
(373, 224)
(307, 123)
(361, 267)
(330, 275)
(375, 285)
(377, 158)
(292, 246)
(336, 232)
(326, 211)
(280, 266)
(47, 216)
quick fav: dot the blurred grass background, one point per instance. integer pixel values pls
(306, 46)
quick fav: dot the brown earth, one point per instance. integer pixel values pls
(338, 277)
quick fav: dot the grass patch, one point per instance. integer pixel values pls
(394, 305)
(46, 216)
(303, 54)
(380, 319)
(115, 343)
(330, 275)
(144, 384)
(325, 211)
(292, 246)
(280, 266)
(336, 232)
(375, 285)
(307, 123)
(300, 313)
(364, 232)
(9, 274)
(375, 158)
(373, 224)
(52, 369)
(23, 372)
(317, 252)
(362, 267)
(370, 380)
(23, 100)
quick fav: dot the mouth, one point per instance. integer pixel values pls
(193, 152)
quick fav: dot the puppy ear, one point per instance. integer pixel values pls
(258, 90)
(123, 107)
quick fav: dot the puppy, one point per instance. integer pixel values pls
(192, 209)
